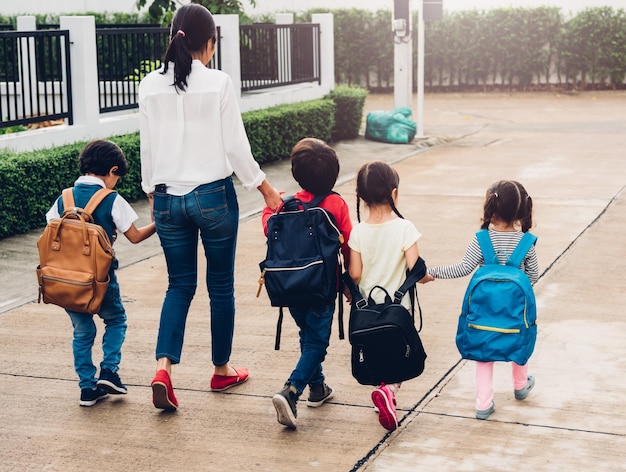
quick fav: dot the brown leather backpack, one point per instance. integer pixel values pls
(75, 255)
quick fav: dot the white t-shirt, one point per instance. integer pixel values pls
(122, 213)
(193, 137)
(382, 248)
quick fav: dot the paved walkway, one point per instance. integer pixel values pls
(568, 150)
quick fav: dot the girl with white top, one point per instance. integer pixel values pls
(382, 248)
(192, 139)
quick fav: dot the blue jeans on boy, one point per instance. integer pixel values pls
(114, 317)
(315, 324)
(213, 211)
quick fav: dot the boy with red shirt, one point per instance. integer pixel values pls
(314, 165)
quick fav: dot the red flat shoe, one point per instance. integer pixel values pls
(163, 392)
(219, 383)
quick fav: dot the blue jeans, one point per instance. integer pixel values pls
(314, 324)
(211, 210)
(114, 317)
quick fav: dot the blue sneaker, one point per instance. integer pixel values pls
(91, 396)
(522, 393)
(111, 382)
(484, 414)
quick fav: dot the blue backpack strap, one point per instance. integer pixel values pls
(522, 249)
(486, 246)
(318, 199)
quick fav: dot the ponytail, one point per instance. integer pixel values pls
(192, 28)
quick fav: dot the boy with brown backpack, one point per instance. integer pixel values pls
(101, 163)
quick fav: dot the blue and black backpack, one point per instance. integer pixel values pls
(498, 319)
(301, 266)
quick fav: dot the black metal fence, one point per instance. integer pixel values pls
(125, 56)
(35, 78)
(277, 55)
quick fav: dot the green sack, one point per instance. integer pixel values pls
(391, 126)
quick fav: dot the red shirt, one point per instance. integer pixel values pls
(336, 205)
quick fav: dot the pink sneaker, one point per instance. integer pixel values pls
(385, 401)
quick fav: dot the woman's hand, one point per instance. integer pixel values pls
(270, 194)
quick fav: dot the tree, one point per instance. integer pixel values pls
(160, 10)
(224, 7)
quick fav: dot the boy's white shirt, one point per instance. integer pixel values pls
(122, 213)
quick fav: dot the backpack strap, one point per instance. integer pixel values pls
(486, 246)
(522, 249)
(69, 204)
(357, 297)
(318, 199)
(281, 315)
(96, 199)
(279, 328)
(68, 199)
(417, 273)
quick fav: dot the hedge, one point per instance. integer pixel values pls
(508, 47)
(30, 182)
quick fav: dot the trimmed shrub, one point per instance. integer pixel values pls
(349, 103)
(274, 131)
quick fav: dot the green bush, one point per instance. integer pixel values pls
(349, 103)
(274, 131)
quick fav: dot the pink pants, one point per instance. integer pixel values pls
(484, 382)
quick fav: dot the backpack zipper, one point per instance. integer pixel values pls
(66, 281)
(306, 266)
(496, 330)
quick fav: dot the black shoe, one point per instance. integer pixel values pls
(285, 404)
(111, 382)
(91, 396)
(318, 394)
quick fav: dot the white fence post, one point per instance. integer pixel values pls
(28, 66)
(283, 43)
(84, 70)
(327, 49)
(229, 48)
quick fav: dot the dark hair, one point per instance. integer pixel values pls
(509, 201)
(314, 165)
(374, 185)
(191, 29)
(99, 156)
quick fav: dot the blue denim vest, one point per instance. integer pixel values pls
(102, 215)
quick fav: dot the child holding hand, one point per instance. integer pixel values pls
(314, 165)
(382, 248)
(102, 163)
(507, 214)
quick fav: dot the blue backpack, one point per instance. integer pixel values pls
(498, 319)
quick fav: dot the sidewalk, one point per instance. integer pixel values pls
(568, 151)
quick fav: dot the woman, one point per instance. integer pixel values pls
(192, 139)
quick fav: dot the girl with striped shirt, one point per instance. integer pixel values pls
(507, 215)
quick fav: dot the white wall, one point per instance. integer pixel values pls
(32, 7)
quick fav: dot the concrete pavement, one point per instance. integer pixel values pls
(568, 150)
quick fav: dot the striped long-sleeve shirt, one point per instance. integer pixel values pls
(504, 242)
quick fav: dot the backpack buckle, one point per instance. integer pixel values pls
(360, 304)
(397, 296)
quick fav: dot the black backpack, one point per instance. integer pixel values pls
(386, 347)
(301, 267)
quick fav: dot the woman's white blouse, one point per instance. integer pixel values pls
(193, 137)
